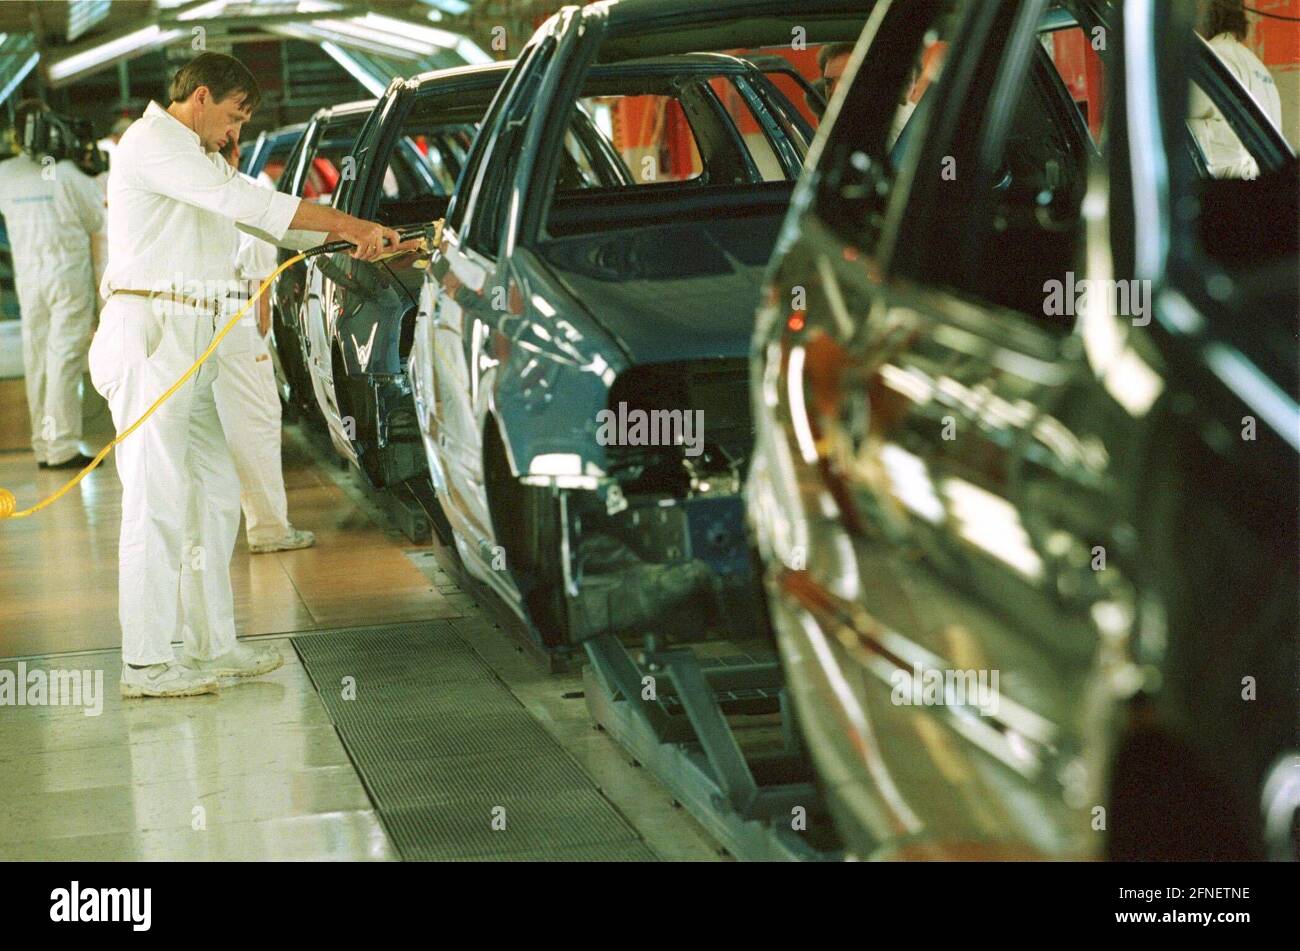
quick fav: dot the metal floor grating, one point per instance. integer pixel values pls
(448, 755)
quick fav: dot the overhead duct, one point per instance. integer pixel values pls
(365, 43)
(85, 16)
(126, 45)
(18, 57)
(374, 49)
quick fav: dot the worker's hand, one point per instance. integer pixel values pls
(405, 247)
(373, 240)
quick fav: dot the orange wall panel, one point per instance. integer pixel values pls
(1276, 42)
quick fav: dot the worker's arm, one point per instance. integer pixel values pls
(371, 238)
(292, 240)
(343, 227)
(1200, 108)
(1201, 111)
(80, 199)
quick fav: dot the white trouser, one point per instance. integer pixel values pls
(180, 492)
(249, 405)
(57, 301)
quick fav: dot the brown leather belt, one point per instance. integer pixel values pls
(197, 304)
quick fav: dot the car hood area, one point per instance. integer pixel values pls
(673, 291)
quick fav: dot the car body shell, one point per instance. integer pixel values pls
(521, 343)
(269, 146)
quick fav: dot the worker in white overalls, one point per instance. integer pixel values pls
(1223, 25)
(249, 403)
(52, 210)
(170, 198)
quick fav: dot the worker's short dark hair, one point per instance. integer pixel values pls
(1226, 16)
(223, 75)
(831, 50)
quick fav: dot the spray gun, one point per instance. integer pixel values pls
(430, 236)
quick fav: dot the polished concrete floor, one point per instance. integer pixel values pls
(256, 772)
(58, 569)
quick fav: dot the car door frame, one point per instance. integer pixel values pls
(475, 270)
(281, 295)
(1265, 143)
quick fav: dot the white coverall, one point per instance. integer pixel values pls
(169, 208)
(1225, 155)
(51, 211)
(249, 403)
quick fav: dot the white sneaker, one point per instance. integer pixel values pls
(165, 680)
(246, 660)
(297, 538)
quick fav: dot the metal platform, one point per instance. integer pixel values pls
(670, 712)
(456, 767)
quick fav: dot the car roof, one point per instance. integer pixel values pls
(347, 108)
(286, 131)
(638, 12)
(711, 63)
(486, 72)
(359, 105)
(640, 28)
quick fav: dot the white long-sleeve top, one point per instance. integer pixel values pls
(50, 210)
(170, 205)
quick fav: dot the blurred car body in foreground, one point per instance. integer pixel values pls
(1030, 542)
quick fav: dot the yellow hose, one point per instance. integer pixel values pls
(8, 503)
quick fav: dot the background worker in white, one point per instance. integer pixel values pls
(249, 403)
(51, 210)
(1223, 24)
(170, 201)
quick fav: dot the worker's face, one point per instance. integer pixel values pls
(218, 122)
(835, 67)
